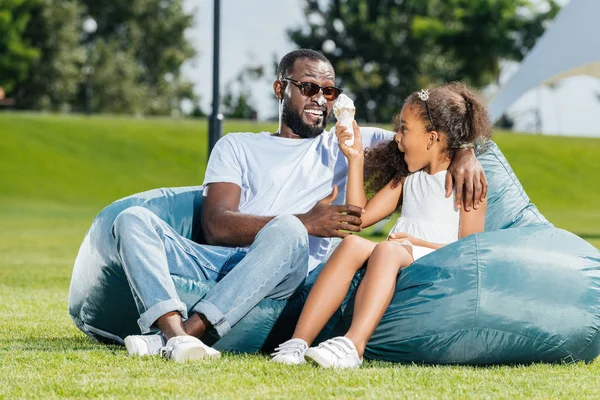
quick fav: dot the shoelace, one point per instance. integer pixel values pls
(290, 347)
(165, 351)
(337, 346)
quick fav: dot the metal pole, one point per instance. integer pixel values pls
(89, 27)
(215, 121)
(88, 83)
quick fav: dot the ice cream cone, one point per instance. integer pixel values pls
(344, 110)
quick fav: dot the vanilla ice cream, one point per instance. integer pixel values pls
(344, 110)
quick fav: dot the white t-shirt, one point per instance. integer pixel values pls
(285, 176)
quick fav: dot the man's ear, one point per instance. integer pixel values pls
(278, 89)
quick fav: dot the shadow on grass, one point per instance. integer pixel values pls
(588, 236)
(74, 343)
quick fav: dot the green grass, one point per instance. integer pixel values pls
(57, 172)
(560, 174)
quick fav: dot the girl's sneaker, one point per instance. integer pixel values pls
(338, 352)
(187, 348)
(290, 352)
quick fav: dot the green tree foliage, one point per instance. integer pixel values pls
(115, 81)
(16, 53)
(132, 62)
(197, 111)
(145, 46)
(55, 77)
(472, 37)
(237, 99)
(385, 49)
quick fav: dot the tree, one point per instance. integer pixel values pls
(138, 51)
(16, 53)
(368, 41)
(469, 38)
(385, 49)
(115, 81)
(197, 111)
(148, 35)
(55, 77)
(237, 98)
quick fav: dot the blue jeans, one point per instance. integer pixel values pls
(151, 252)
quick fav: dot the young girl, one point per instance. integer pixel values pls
(411, 171)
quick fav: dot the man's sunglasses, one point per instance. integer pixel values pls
(309, 89)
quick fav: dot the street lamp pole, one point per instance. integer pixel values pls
(89, 27)
(89, 90)
(216, 118)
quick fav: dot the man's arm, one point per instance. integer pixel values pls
(224, 225)
(469, 179)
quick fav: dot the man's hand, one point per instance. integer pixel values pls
(469, 180)
(325, 220)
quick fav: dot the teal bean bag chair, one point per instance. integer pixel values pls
(521, 292)
(100, 300)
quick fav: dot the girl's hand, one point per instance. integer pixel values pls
(401, 237)
(354, 152)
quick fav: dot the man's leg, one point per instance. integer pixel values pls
(151, 252)
(274, 267)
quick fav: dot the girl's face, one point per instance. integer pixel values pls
(412, 139)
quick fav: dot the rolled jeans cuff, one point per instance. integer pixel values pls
(148, 318)
(214, 316)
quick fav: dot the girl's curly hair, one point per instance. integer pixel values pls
(384, 163)
(457, 112)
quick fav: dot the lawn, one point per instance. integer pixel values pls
(56, 173)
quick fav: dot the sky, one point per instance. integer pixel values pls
(253, 32)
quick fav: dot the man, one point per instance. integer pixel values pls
(272, 204)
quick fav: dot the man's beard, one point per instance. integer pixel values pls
(293, 120)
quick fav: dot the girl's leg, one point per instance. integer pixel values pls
(332, 285)
(376, 290)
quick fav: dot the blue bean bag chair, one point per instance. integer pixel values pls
(521, 292)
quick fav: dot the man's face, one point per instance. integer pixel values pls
(307, 116)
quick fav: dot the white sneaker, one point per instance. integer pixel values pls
(338, 352)
(290, 352)
(144, 345)
(187, 348)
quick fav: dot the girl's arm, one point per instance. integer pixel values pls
(355, 191)
(384, 202)
(470, 222)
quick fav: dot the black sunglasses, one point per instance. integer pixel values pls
(309, 89)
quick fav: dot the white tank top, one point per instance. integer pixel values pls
(426, 212)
